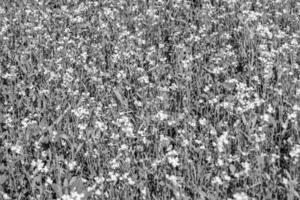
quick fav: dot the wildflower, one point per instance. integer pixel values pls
(5, 196)
(171, 122)
(165, 141)
(285, 181)
(114, 164)
(213, 131)
(292, 116)
(241, 196)
(173, 179)
(207, 88)
(123, 147)
(130, 181)
(80, 112)
(172, 153)
(295, 152)
(203, 121)
(49, 181)
(128, 130)
(221, 141)
(246, 166)
(2, 11)
(102, 126)
(121, 75)
(174, 161)
(226, 177)
(113, 176)
(266, 117)
(74, 196)
(173, 86)
(17, 149)
(192, 123)
(220, 162)
(185, 142)
(217, 180)
(127, 160)
(138, 103)
(98, 192)
(296, 108)
(144, 79)
(99, 180)
(144, 192)
(155, 163)
(161, 116)
(270, 109)
(298, 92)
(71, 165)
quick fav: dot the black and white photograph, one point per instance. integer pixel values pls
(149, 99)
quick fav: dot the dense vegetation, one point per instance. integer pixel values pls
(143, 99)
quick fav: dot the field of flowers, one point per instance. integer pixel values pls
(150, 99)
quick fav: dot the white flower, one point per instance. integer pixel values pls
(39, 164)
(102, 126)
(144, 192)
(174, 161)
(17, 149)
(82, 126)
(121, 75)
(217, 180)
(49, 180)
(130, 181)
(71, 165)
(213, 132)
(206, 89)
(220, 162)
(99, 180)
(172, 153)
(285, 181)
(98, 192)
(185, 143)
(173, 179)
(144, 79)
(114, 164)
(161, 116)
(227, 178)
(266, 117)
(246, 166)
(203, 121)
(113, 177)
(76, 196)
(296, 108)
(138, 103)
(5, 196)
(295, 152)
(241, 196)
(123, 147)
(292, 116)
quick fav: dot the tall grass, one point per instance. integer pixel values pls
(150, 99)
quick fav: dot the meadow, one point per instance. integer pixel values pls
(149, 99)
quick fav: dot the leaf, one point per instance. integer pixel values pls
(73, 180)
(295, 193)
(3, 178)
(44, 124)
(57, 189)
(120, 98)
(3, 168)
(66, 186)
(232, 169)
(63, 136)
(44, 139)
(78, 148)
(77, 185)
